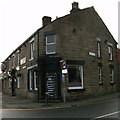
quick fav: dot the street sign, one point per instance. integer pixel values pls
(64, 71)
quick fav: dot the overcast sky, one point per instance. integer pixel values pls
(20, 18)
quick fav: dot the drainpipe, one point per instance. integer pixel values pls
(38, 62)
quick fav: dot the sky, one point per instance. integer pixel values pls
(21, 18)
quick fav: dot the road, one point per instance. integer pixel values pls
(93, 111)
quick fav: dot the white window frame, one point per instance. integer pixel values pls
(13, 60)
(100, 74)
(30, 80)
(82, 79)
(10, 82)
(111, 75)
(52, 43)
(18, 58)
(110, 52)
(98, 49)
(32, 47)
(35, 80)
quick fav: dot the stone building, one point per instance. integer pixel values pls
(1, 79)
(119, 64)
(72, 57)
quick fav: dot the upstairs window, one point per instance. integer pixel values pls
(99, 49)
(110, 52)
(13, 60)
(18, 57)
(51, 44)
(32, 49)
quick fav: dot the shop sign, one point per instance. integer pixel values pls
(65, 71)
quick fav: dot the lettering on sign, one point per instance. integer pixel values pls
(50, 85)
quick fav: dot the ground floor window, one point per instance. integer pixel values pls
(32, 80)
(75, 77)
(100, 75)
(10, 83)
(111, 75)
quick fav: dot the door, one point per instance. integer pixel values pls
(51, 92)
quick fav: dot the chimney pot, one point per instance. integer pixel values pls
(46, 20)
(75, 7)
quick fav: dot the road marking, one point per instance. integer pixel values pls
(106, 115)
(36, 108)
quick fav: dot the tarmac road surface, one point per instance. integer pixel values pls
(93, 111)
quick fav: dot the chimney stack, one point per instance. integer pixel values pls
(75, 7)
(46, 20)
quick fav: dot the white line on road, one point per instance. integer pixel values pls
(106, 115)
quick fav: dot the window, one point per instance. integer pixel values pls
(111, 75)
(32, 49)
(10, 83)
(99, 49)
(75, 76)
(100, 75)
(50, 44)
(32, 80)
(110, 52)
(18, 58)
(35, 80)
(13, 60)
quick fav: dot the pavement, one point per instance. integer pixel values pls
(9, 102)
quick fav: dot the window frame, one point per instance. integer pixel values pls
(98, 49)
(112, 75)
(110, 52)
(100, 75)
(80, 68)
(13, 60)
(9, 83)
(32, 48)
(18, 58)
(49, 44)
(32, 80)
(35, 80)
